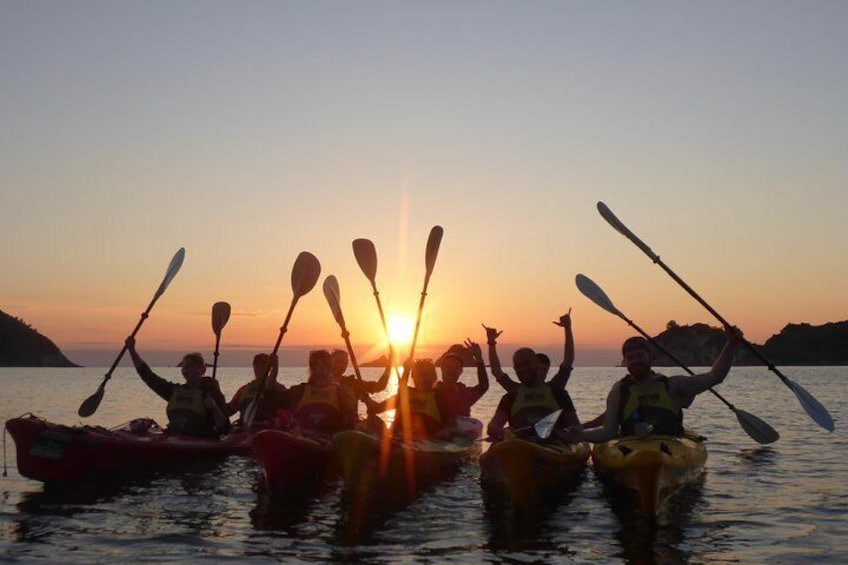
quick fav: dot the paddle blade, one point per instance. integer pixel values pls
(758, 430)
(594, 293)
(814, 408)
(333, 295)
(366, 257)
(220, 316)
(545, 426)
(89, 405)
(433, 243)
(171, 272)
(612, 220)
(305, 273)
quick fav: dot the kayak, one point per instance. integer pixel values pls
(527, 471)
(292, 459)
(654, 466)
(51, 452)
(393, 470)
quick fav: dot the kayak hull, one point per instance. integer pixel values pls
(527, 472)
(653, 468)
(291, 459)
(54, 453)
(393, 470)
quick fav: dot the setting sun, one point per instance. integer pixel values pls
(401, 329)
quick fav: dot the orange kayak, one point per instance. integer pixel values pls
(653, 467)
(527, 471)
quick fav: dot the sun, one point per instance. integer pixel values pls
(400, 329)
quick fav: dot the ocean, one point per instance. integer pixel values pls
(781, 503)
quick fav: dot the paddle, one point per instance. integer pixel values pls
(813, 407)
(89, 405)
(366, 257)
(305, 273)
(759, 431)
(220, 316)
(543, 427)
(433, 243)
(333, 295)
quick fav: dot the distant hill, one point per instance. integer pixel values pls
(22, 346)
(796, 344)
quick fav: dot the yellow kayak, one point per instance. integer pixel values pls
(527, 471)
(393, 470)
(653, 466)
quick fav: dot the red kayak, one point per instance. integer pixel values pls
(294, 458)
(51, 452)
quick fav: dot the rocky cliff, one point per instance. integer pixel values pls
(22, 346)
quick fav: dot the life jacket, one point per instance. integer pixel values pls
(454, 399)
(649, 403)
(319, 408)
(269, 401)
(186, 412)
(532, 404)
(424, 414)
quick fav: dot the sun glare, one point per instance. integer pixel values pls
(401, 329)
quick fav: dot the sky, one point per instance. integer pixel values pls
(248, 132)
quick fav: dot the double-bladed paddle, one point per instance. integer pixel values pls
(811, 405)
(366, 257)
(759, 431)
(333, 295)
(89, 405)
(220, 316)
(305, 273)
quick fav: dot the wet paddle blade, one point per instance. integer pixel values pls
(433, 243)
(545, 426)
(333, 295)
(596, 294)
(814, 408)
(89, 405)
(757, 429)
(305, 273)
(366, 256)
(220, 316)
(171, 272)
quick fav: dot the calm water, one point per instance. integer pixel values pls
(784, 503)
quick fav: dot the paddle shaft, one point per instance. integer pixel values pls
(383, 321)
(215, 355)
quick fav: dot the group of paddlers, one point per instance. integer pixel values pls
(643, 401)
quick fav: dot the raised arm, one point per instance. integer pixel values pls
(560, 380)
(694, 385)
(482, 375)
(380, 384)
(502, 378)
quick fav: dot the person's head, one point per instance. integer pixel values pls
(637, 356)
(320, 366)
(339, 360)
(544, 364)
(525, 363)
(451, 368)
(261, 363)
(424, 374)
(193, 367)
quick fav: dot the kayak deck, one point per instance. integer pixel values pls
(654, 467)
(292, 459)
(50, 452)
(528, 471)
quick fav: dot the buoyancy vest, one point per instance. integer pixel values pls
(531, 404)
(319, 407)
(454, 399)
(425, 416)
(269, 400)
(187, 413)
(649, 403)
